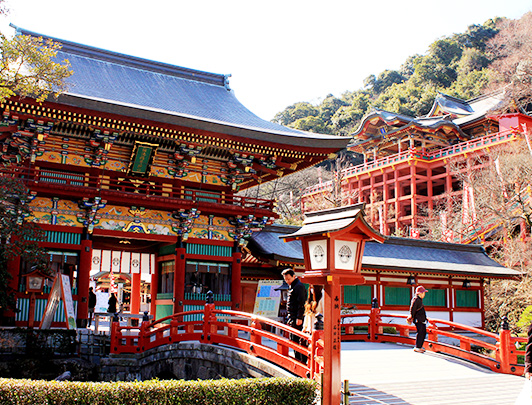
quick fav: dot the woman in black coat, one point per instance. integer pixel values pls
(419, 317)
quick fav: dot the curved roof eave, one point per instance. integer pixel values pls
(433, 127)
(112, 82)
(385, 116)
(300, 138)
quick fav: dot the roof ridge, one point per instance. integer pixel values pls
(132, 61)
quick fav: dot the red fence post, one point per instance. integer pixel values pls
(504, 346)
(316, 349)
(255, 338)
(374, 319)
(116, 336)
(208, 317)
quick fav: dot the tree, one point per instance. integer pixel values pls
(512, 53)
(502, 196)
(29, 68)
(18, 236)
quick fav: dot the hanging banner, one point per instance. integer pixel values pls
(61, 290)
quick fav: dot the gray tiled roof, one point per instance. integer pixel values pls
(112, 82)
(401, 254)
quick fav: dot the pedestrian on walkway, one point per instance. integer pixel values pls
(419, 317)
(112, 304)
(313, 307)
(92, 305)
(295, 306)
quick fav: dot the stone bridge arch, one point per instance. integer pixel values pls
(189, 361)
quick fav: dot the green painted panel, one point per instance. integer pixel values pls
(162, 311)
(397, 296)
(357, 294)
(467, 298)
(435, 298)
(167, 250)
(209, 250)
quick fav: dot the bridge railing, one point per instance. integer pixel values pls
(256, 335)
(500, 355)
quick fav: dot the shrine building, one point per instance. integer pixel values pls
(135, 170)
(410, 163)
(454, 274)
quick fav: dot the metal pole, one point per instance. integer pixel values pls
(346, 393)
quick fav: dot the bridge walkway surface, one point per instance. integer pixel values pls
(387, 373)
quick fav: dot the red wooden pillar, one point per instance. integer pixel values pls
(332, 337)
(236, 281)
(153, 291)
(413, 199)
(135, 293)
(179, 279)
(85, 263)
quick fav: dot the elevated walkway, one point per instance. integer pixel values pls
(387, 373)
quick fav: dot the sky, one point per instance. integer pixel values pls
(277, 52)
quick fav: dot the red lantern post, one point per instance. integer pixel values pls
(333, 245)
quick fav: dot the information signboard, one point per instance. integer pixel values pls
(268, 298)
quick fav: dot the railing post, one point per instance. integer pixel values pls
(504, 346)
(208, 317)
(253, 337)
(142, 332)
(316, 351)
(374, 319)
(116, 336)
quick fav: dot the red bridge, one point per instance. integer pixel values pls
(269, 340)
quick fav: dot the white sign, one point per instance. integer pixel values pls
(344, 254)
(317, 250)
(60, 290)
(268, 299)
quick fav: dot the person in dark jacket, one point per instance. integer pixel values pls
(419, 317)
(528, 354)
(295, 306)
(112, 304)
(92, 305)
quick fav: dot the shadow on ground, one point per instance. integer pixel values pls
(362, 395)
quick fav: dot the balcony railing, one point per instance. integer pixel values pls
(463, 147)
(109, 184)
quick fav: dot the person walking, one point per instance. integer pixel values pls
(313, 307)
(419, 317)
(295, 306)
(112, 304)
(92, 305)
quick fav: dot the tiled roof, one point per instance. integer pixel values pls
(107, 81)
(402, 254)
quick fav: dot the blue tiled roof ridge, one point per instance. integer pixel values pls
(434, 244)
(132, 61)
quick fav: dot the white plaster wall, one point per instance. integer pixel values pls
(468, 318)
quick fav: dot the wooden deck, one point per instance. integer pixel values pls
(383, 373)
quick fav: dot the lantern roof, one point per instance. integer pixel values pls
(335, 220)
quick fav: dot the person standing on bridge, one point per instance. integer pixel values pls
(295, 306)
(313, 307)
(419, 317)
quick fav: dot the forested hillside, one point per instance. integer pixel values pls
(465, 65)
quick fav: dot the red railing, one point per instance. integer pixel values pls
(462, 147)
(268, 339)
(256, 335)
(501, 355)
(108, 183)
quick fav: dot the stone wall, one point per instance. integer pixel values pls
(187, 361)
